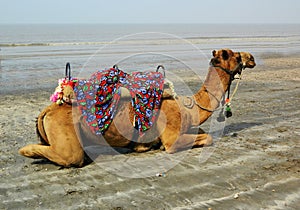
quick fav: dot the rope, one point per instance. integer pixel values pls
(236, 87)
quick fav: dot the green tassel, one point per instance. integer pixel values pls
(228, 109)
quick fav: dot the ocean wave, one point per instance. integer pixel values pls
(40, 44)
(165, 41)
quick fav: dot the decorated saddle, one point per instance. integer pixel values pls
(98, 97)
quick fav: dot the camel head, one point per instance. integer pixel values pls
(232, 61)
(247, 60)
(226, 59)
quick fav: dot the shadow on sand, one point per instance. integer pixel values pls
(236, 127)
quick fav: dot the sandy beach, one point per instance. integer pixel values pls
(255, 165)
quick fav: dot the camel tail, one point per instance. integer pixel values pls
(40, 127)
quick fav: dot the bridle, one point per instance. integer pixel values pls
(231, 74)
(224, 101)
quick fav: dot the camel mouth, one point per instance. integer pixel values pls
(249, 65)
(252, 65)
(214, 62)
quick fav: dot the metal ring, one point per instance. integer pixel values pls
(191, 104)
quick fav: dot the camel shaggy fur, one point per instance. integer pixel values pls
(64, 134)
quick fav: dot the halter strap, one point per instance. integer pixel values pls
(231, 73)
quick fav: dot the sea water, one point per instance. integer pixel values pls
(34, 56)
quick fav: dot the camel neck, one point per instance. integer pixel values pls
(212, 92)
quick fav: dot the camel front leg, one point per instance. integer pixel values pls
(37, 151)
(174, 144)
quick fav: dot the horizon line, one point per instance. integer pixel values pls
(128, 23)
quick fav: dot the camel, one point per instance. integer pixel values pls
(63, 134)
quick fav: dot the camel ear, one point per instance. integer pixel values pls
(214, 53)
(225, 55)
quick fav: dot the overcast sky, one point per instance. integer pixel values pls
(149, 11)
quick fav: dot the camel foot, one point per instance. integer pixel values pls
(188, 141)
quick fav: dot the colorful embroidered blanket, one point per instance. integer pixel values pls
(98, 97)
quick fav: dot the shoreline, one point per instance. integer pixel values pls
(272, 61)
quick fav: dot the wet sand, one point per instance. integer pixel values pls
(255, 165)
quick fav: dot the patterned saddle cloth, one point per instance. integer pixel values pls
(98, 97)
